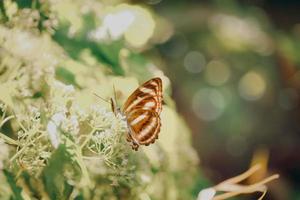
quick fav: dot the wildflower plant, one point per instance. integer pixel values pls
(57, 140)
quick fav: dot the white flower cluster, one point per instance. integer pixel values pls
(110, 130)
(63, 112)
(61, 97)
(34, 59)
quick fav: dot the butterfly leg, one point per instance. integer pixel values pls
(134, 145)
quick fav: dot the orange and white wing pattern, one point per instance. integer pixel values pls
(142, 110)
(148, 95)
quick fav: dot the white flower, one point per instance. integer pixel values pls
(71, 125)
(34, 114)
(66, 90)
(81, 113)
(52, 128)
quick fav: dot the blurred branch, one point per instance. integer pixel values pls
(232, 188)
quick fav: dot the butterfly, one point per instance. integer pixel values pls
(142, 112)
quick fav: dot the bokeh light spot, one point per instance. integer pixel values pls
(217, 73)
(141, 29)
(252, 86)
(208, 104)
(135, 23)
(118, 23)
(194, 62)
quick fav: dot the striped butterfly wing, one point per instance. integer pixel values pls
(142, 110)
(144, 126)
(148, 95)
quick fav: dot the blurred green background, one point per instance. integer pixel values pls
(234, 66)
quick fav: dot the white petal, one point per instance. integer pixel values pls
(206, 194)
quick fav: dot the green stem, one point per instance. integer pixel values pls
(8, 139)
(86, 178)
(5, 120)
(24, 147)
(85, 174)
(87, 139)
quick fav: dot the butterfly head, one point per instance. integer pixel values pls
(114, 107)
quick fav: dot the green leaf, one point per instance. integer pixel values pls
(53, 175)
(3, 16)
(33, 184)
(37, 95)
(16, 190)
(24, 3)
(79, 197)
(107, 54)
(66, 76)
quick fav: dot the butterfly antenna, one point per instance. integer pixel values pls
(101, 98)
(115, 93)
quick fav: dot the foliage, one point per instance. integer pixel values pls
(57, 140)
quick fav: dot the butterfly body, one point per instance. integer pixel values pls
(142, 112)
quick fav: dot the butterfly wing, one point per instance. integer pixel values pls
(142, 110)
(147, 96)
(144, 126)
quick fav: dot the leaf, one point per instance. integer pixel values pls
(53, 175)
(3, 16)
(24, 3)
(79, 197)
(107, 54)
(16, 190)
(34, 185)
(138, 65)
(66, 76)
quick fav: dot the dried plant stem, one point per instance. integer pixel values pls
(240, 177)
(232, 187)
(257, 187)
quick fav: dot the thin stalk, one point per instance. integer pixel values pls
(247, 189)
(89, 136)
(8, 139)
(5, 120)
(24, 147)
